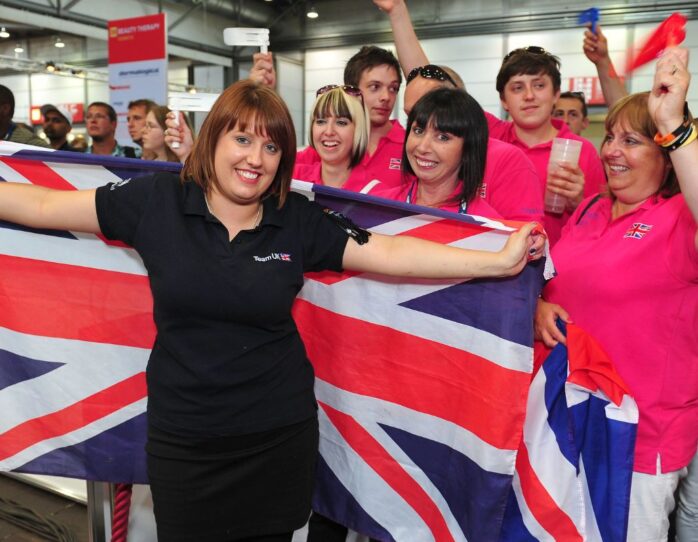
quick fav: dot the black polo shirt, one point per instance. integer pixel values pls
(227, 357)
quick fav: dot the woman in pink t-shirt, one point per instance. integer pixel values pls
(444, 155)
(628, 274)
(339, 132)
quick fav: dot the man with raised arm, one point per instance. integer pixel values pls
(528, 84)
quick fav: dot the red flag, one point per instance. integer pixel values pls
(668, 34)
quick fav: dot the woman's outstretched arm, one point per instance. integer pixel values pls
(39, 207)
(405, 256)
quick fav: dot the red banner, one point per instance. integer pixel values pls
(138, 38)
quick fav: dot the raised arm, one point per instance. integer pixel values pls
(596, 49)
(409, 50)
(666, 105)
(404, 256)
(39, 207)
(178, 132)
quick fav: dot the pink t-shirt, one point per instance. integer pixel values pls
(589, 162)
(478, 206)
(633, 284)
(384, 164)
(312, 173)
(511, 183)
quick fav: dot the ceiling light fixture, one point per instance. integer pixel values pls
(59, 43)
(4, 33)
(51, 66)
(19, 48)
(312, 12)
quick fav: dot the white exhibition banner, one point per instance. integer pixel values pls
(137, 65)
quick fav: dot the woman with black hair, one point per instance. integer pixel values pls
(444, 154)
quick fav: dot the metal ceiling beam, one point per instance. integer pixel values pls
(91, 27)
(186, 14)
(636, 13)
(70, 5)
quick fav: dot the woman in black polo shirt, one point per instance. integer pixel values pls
(232, 418)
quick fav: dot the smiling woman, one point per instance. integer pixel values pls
(232, 418)
(339, 132)
(444, 154)
(636, 250)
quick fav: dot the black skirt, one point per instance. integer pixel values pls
(228, 488)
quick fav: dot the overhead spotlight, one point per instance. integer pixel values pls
(4, 33)
(77, 73)
(51, 66)
(59, 43)
(312, 12)
(19, 48)
(191, 90)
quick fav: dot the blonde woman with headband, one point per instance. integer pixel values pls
(339, 132)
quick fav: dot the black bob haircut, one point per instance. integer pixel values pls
(456, 112)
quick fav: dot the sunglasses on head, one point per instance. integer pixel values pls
(430, 71)
(349, 89)
(533, 49)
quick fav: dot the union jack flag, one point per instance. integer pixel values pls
(638, 230)
(422, 385)
(575, 462)
(76, 330)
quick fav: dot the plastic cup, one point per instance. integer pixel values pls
(563, 150)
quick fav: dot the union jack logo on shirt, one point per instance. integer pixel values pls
(395, 163)
(483, 190)
(638, 230)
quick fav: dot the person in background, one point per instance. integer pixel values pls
(232, 417)
(528, 83)
(595, 47)
(634, 251)
(135, 120)
(79, 143)
(339, 132)
(58, 122)
(510, 184)
(10, 131)
(571, 108)
(153, 137)
(376, 72)
(101, 127)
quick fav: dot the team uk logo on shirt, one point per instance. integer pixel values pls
(638, 230)
(395, 163)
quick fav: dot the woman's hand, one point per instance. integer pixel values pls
(668, 95)
(568, 181)
(178, 132)
(262, 70)
(522, 247)
(544, 325)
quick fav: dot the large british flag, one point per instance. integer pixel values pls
(422, 385)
